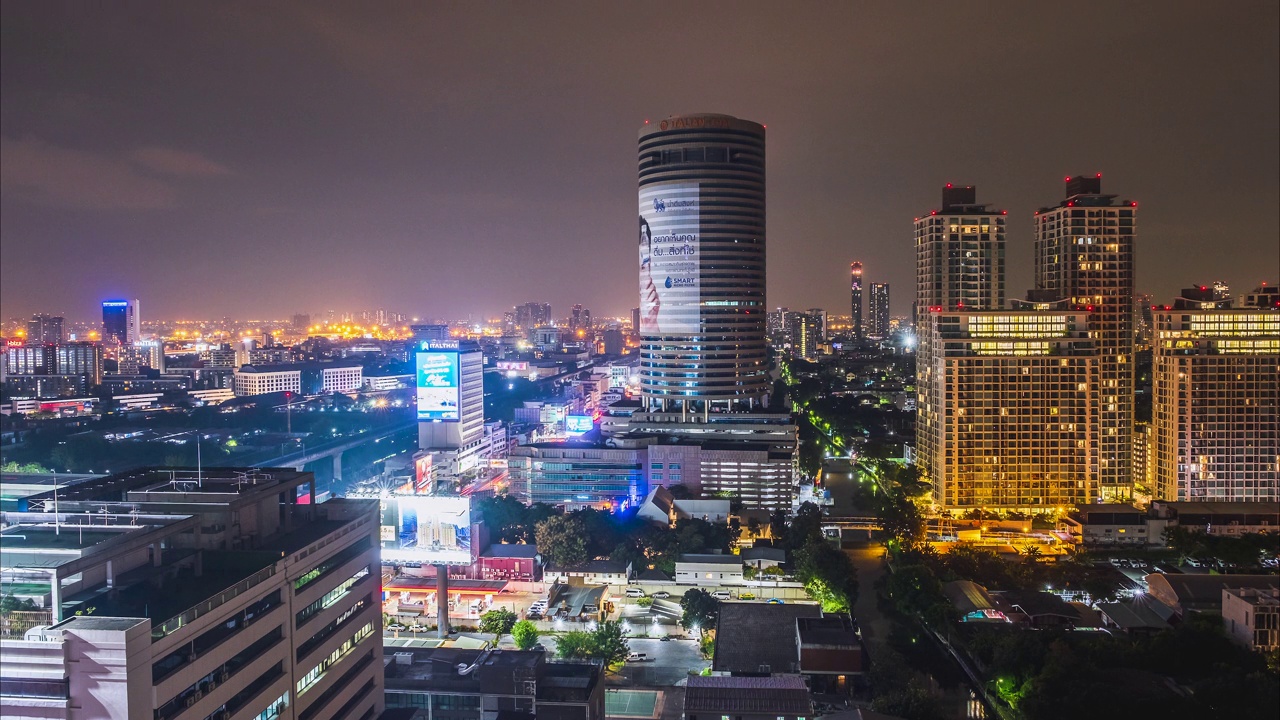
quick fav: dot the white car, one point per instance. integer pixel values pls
(635, 592)
(722, 595)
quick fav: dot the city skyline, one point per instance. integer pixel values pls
(473, 146)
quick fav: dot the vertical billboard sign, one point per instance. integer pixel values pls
(669, 248)
(437, 385)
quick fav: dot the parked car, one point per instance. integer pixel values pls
(747, 596)
(635, 592)
(638, 657)
(722, 595)
(661, 595)
(775, 601)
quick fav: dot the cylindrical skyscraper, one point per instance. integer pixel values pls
(702, 263)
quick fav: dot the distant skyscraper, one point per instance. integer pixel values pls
(301, 321)
(1221, 291)
(135, 322)
(702, 262)
(819, 319)
(1084, 256)
(1215, 402)
(532, 314)
(1143, 319)
(43, 329)
(579, 318)
(959, 255)
(117, 319)
(855, 299)
(879, 310)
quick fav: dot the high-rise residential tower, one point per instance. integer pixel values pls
(1012, 425)
(702, 263)
(1216, 401)
(44, 329)
(959, 255)
(959, 267)
(1084, 257)
(879, 310)
(855, 300)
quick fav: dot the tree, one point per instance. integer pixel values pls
(562, 539)
(574, 644)
(605, 643)
(829, 576)
(506, 518)
(525, 634)
(608, 643)
(700, 609)
(498, 621)
(680, 491)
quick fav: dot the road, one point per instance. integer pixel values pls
(867, 557)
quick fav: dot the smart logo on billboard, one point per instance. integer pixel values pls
(670, 288)
(438, 392)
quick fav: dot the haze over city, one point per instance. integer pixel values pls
(639, 361)
(237, 159)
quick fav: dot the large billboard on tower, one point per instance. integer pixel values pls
(426, 529)
(438, 387)
(669, 247)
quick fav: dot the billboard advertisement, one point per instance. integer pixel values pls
(669, 248)
(578, 424)
(437, 385)
(427, 529)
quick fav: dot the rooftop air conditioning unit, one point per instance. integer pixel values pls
(404, 658)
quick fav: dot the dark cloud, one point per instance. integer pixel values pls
(249, 158)
(62, 178)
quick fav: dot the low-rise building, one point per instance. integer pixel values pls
(763, 557)
(302, 378)
(470, 684)
(708, 570)
(777, 697)
(508, 562)
(592, 572)
(1251, 617)
(1220, 518)
(831, 653)
(1112, 524)
(1203, 593)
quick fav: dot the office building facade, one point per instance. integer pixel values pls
(1216, 404)
(878, 316)
(1084, 256)
(702, 263)
(117, 319)
(1015, 427)
(196, 596)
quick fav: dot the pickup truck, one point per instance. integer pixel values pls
(638, 657)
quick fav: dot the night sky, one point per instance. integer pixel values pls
(258, 159)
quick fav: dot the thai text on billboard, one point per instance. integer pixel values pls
(669, 249)
(429, 529)
(437, 385)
